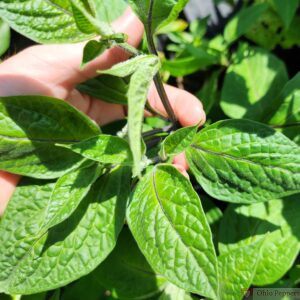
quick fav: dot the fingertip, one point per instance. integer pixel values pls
(189, 109)
(8, 183)
(180, 159)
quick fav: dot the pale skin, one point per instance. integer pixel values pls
(54, 70)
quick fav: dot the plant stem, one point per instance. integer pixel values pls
(157, 79)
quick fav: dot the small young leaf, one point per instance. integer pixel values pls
(4, 36)
(244, 162)
(30, 263)
(257, 77)
(241, 22)
(137, 97)
(286, 10)
(167, 221)
(178, 141)
(276, 222)
(68, 192)
(126, 273)
(106, 149)
(30, 128)
(92, 50)
(237, 270)
(156, 13)
(42, 21)
(107, 88)
(128, 67)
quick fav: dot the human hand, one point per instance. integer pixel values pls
(54, 70)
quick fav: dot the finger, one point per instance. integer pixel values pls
(8, 183)
(187, 108)
(55, 70)
(180, 159)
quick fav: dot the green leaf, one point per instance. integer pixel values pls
(92, 50)
(276, 222)
(257, 77)
(267, 31)
(167, 221)
(68, 192)
(178, 141)
(209, 93)
(242, 21)
(289, 99)
(137, 96)
(30, 128)
(287, 116)
(244, 162)
(294, 274)
(237, 270)
(30, 263)
(107, 88)
(286, 10)
(173, 292)
(86, 22)
(106, 149)
(143, 68)
(291, 37)
(78, 290)
(162, 12)
(4, 36)
(128, 67)
(109, 10)
(196, 58)
(42, 21)
(126, 273)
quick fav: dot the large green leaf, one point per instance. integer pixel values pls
(30, 263)
(241, 22)
(287, 116)
(252, 84)
(237, 270)
(156, 13)
(106, 149)
(4, 37)
(244, 162)
(167, 221)
(29, 128)
(286, 10)
(43, 21)
(68, 192)
(126, 273)
(277, 222)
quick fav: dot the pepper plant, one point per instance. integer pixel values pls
(110, 208)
